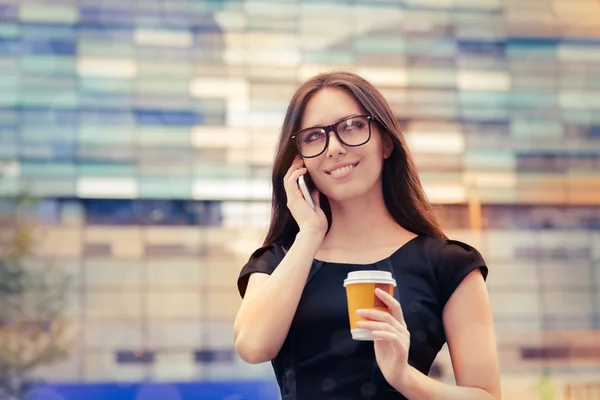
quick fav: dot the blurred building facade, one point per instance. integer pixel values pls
(148, 128)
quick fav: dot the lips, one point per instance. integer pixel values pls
(341, 169)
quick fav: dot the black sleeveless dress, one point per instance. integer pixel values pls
(320, 360)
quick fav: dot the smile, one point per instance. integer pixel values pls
(342, 171)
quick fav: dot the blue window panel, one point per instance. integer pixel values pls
(205, 23)
(481, 48)
(105, 101)
(55, 46)
(8, 135)
(89, 15)
(214, 356)
(105, 33)
(48, 150)
(116, 117)
(66, 118)
(174, 118)
(9, 12)
(46, 32)
(134, 357)
(8, 117)
(8, 149)
(48, 133)
(9, 47)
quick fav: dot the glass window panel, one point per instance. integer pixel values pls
(174, 273)
(113, 335)
(121, 275)
(565, 273)
(173, 304)
(431, 77)
(174, 187)
(176, 334)
(125, 242)
(567, 303)
(515, 304)
(113, 305)
(106, 85)
(172, 366)
(55, 168)
(103, 367)
(104, 48)
(221, 304)
(106, 169)
(50, 187)
(104, 135)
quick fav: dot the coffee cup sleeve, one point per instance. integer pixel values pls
(454, 262)
(264, 260)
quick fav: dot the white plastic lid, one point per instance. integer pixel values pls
(369, 277)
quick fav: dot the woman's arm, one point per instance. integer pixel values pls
(267, 310)
(469, 331)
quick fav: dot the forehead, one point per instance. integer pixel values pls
(328, 106)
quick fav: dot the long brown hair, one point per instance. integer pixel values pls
(403, 194)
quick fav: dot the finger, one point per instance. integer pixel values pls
(380, 316)
(380, 326)
(393, 304)
(385, 335)
(296, 174)
(316, 198)
(296, 163)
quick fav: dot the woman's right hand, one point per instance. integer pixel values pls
(308, 220)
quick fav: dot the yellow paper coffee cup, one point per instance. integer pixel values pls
(360, 293)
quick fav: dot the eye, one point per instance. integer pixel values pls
(311, 136)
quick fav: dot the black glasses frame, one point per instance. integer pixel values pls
(330, 128)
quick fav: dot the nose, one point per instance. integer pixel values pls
(335, 146)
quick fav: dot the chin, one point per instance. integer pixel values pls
(342, 194)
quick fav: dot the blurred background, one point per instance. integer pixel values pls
(136, 139)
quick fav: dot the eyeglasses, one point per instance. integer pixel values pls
(351, 131)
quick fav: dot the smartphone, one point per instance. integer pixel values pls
(305, 191)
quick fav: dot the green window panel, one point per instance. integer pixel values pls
(430, 77)
(47, 64)
(380, 44)
(50, 187)
(49, 13)
(9, 186)
(104, 169)
(104, 48)
(159, 187)
(483, 99)
(117, 135)
(163, 86)
(152, 136)
(8, 30)
(39, 169)
(52, 99)
(106, 85)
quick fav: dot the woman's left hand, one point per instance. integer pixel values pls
(392, 339)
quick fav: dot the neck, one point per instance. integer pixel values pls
(361, 222)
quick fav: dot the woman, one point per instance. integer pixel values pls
(371, 213)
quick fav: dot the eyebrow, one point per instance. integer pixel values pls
(333, 123)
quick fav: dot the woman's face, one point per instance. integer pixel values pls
(342, 172)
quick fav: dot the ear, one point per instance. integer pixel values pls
(388, 147)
